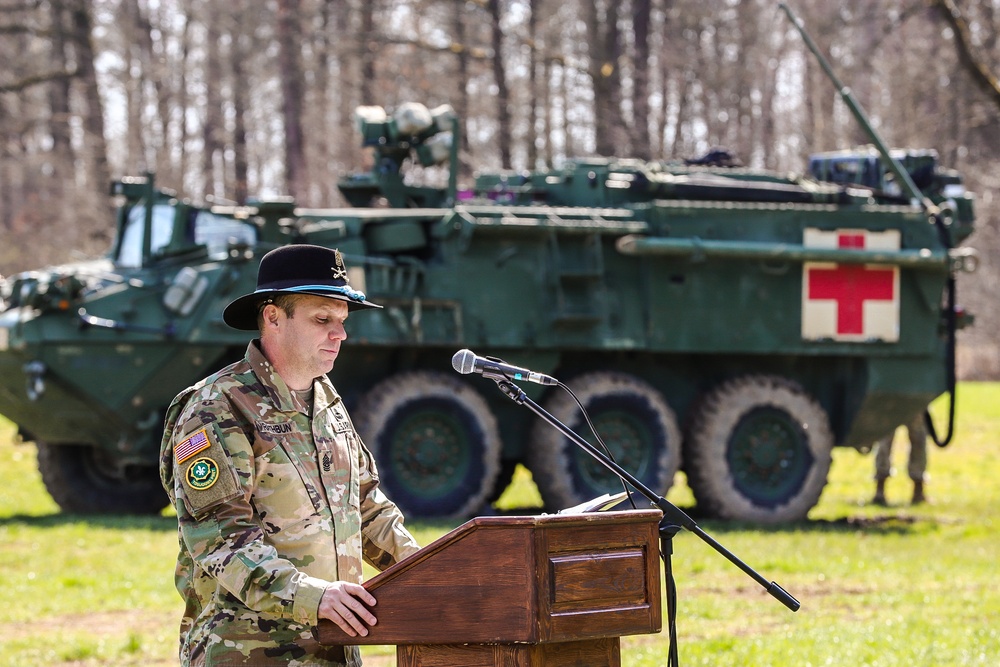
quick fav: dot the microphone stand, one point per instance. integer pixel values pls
(673, 517)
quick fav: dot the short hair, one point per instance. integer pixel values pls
(285, 301)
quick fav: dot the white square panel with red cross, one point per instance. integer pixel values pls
(850, 302)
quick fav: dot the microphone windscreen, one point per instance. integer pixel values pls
(464, 361)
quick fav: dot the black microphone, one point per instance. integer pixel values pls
(467, 361)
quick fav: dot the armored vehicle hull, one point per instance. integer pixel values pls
(731, 323)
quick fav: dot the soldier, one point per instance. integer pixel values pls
(916, 467)
(277, 498)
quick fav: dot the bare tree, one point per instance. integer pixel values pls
(532, 135)
(604, 40)
(981, 74)
(149, 49)
(183, 99)
(500, 80)
(241, 45)
(59, 98)
(641, 13)
(213, 123)
(245, 98)
(93, 117)
(292, 96)
(461, 101)
(366, 48)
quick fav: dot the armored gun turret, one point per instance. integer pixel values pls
(733, 323)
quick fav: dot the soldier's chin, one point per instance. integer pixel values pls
(329, 359)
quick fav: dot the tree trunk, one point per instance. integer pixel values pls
(214, 123)
(96, 149)
(183, 157)
(500, 78)
(347, 48)
(768, 141)
(641, 144)
(59, 95)
(680, 118)
(461, 105)
(367, 48)
(567, 133)
(289, 60)
(240, 50)
(532, 136)
(321, 122)
(741, 117)
(603, 38)
(154, 71)
(547, 125)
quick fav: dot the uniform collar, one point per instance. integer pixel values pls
(324, 394)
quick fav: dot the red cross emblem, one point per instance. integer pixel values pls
(851, 301)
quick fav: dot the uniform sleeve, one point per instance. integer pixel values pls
(212, 479)
(384, 539)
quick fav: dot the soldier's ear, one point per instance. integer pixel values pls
(270, 313)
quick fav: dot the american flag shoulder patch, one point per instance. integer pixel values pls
(191, 445)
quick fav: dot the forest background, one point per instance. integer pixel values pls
(249, 98)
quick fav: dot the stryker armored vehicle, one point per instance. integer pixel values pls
(732, 323)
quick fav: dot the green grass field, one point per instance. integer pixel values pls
(896, 586)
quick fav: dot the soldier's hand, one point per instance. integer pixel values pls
(344, 604)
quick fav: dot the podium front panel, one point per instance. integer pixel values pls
(476, 590)
(599, 583)
(529, 580)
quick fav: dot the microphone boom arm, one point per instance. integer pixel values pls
(671, 513)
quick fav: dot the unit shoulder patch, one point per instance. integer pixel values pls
(202, 473)
(206, 470)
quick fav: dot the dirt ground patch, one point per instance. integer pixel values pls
(110, 623)
(95, 624)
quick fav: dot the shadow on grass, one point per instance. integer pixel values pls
(889, 522)
(881, 524)
(900, 523)
(109, 521)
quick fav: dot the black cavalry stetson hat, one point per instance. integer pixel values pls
(296, 269)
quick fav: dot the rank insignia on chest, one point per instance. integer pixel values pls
(191, 445)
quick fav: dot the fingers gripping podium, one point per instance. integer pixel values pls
(525, 591)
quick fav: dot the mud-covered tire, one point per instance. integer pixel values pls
(82, 480)
(435, 442)
(631, 417)
(758, 450)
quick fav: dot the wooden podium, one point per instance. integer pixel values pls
(524, 591)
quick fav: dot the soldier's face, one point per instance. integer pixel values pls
(309, 341)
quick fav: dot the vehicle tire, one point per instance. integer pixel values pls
(83, 480)
(631, 417)
(759, 450)
(435, 442)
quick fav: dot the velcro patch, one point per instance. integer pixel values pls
(191, 445)
(209, 479)
(341, 424)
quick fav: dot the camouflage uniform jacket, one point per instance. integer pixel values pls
(272, 505)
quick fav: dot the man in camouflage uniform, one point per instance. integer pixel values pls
(916, 466)
(277, 498)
